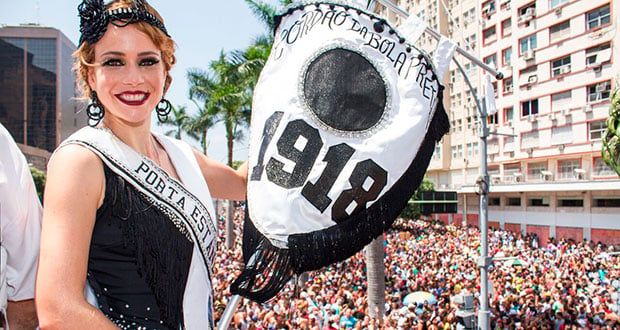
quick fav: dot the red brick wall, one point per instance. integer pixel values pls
(444, 218)
(457, 220)
(541, 231)
(515, 227)
(472, 220)
(494, 224)
(569, 233)
(606, 236)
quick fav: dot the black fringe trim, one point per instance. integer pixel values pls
(268, 268)
(163, 254)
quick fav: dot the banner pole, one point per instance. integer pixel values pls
(228, 312)
(498, 75)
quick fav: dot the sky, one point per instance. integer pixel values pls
(201, 29)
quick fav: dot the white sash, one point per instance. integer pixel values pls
(188, 202)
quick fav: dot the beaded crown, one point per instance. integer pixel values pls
(94, 18)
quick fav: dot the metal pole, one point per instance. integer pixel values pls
(230, 227)
(483, 189)
(229, 312)
(498, 75)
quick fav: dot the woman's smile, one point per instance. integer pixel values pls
(133, 98)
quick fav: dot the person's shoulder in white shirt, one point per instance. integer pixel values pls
(20, 219)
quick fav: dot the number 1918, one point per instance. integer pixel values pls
(301, 144)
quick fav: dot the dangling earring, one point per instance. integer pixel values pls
(163, 109)
(94, 110)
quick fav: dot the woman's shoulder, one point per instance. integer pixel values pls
(75, 158)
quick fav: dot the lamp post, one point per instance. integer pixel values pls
(483, 180)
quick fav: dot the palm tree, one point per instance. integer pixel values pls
(199, 125)
(266, 12)
(375, 273)
(202, 86)
(178, 118)
(225, 92)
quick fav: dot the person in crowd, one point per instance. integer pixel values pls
(20, 219)
(128, 214)
(561, 284)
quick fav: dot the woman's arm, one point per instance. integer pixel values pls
(223, 181)
(73, 192)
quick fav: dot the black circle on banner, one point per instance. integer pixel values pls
(344, 90)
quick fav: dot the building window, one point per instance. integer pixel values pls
(512, 173)
(457, 152)
(559, 31)
(555, 3)
(570, 202)
(598, 55)
(437, 153)
(507, 56)
(488, 8)
(566, 169)
(561, 101)
(535, 171)
(489, 35)
(509, 144)
(528, 43)
(493, 146)
(601, 169)
(538, 201)
(507, 85)
(528, 76)
(509, 114)
(513, 201)
(506, 27)
(597, 129)
(605, 202)
(494, 201)
(598, 17)
(527, 13)
(530, 140)
(561, 135)
(599, 92)
(529, 107)
(491, 61)
(560, 66)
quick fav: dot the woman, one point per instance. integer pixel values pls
(128, 213)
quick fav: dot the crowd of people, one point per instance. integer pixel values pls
(550, 285)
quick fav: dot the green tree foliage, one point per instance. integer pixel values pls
(180, 120)
(412, 210)
(39, 181)
(611, 139)
(226, 97)
(237, 163)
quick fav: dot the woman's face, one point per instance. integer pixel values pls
(128, 75)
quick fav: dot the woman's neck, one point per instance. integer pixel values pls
(138, 137)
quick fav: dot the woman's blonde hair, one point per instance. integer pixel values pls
(85, 54)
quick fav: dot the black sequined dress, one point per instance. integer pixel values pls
(139, 260)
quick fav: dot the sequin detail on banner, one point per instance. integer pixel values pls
(343, 107)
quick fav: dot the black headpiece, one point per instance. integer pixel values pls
(94, 18)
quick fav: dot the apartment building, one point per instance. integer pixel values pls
(37, 89)
(560, 63)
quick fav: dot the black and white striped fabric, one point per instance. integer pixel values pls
(345, 119)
